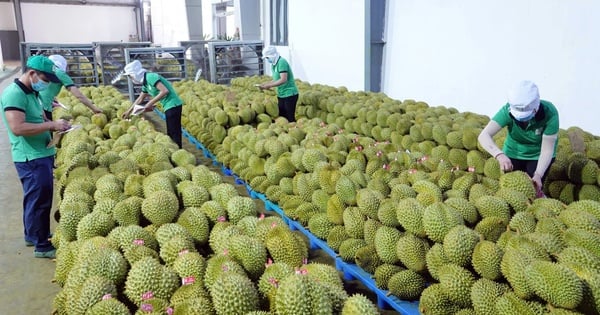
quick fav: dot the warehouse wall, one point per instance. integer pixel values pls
(78, 23)
(7, 17)
(326, 41)
(466, 54)
(169, 22)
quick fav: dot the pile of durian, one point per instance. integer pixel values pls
(143, 229)
(404, 191)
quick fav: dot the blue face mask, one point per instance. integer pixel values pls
(40, 85)
(526, 118)
(269, 60)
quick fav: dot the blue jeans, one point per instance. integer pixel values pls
(38, 189)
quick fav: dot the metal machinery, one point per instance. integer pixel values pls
(166, 61)
(81, 59)
(232, 59)
(102, 62)
(112, 60)
(219, 61)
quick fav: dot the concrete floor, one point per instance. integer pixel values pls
(26, 285)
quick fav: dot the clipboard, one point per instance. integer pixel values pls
(58, 135)
(138, 109)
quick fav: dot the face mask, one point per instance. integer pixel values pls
(40, 85)
(137, 78)
(526, 118)
(269, 60)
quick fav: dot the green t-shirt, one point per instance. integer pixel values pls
(53, 89)
(289, 87)
(170, 100)
(17, 96)
(524, 143)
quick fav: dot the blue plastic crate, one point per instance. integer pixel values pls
(384, 300)
(238, 180)
(227, 171)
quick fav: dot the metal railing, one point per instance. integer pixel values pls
(81, 59)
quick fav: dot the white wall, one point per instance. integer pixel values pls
(54, 23)
(466, 54)
(326, 41)
(7, 17)
(169, 22)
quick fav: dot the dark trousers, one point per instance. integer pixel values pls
(38, 189)
(173, 118)
(528, 166)
(287, 107)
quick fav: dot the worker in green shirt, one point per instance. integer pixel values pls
(47, 96)
(29, 135)
(532, 137)
(161, 90)
(283, 79)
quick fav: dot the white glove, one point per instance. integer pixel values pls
(505, 163)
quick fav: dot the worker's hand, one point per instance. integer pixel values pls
(264, 87)
(126, 114)
(96, 109)
(60, 125)
(537, 182)
(149, 108)
(505, 163)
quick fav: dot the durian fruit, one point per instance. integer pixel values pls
(409, 213)
(171, 249)
(491, 227)
(364, 256)
(411, 251)
(160, 207)
(93, 289)
(385, 241)
(383, 273)
(128, 211)
(519, 181)
(465, 208)
(148, 275)
(218, 264)
(459, 244)
(192, 195)
(584, 239)
(574, 218)
(358, 304)
(298, 294)
(182, 157)
(492, 206)
(196, 223)
(486, 259)
(510, 303)
(108, 306)
(270, 279)
(283, 246)
(456, 283)
(250, 253)
(434, 300)
(233, 293)
(96, 223)
(484, 294)
(436, 258)
(438, 219)
(406, 285)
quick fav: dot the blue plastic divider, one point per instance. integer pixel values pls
(350, 271)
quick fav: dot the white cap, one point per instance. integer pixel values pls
(523, 98)
(135, 69)
(270, 52)
(59, 61)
